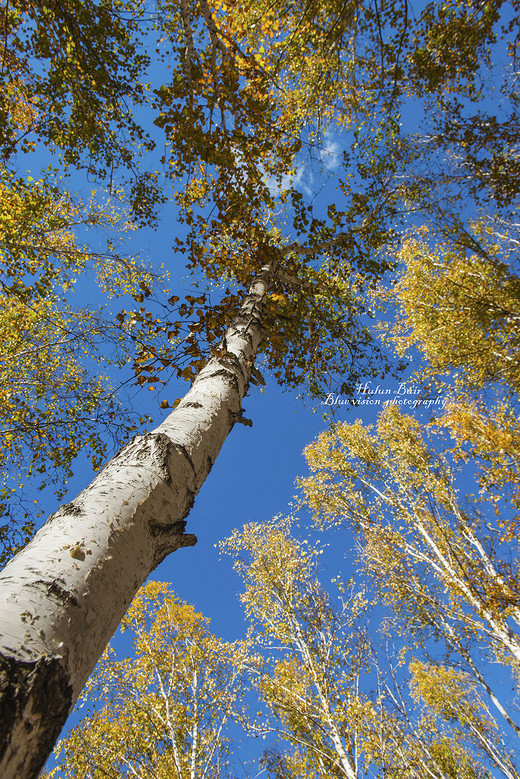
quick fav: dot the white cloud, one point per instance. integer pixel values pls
(296, 179)
(330, 154)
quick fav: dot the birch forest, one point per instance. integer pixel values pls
(230, 232)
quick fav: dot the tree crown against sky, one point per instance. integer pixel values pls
(65, 98)
(443, 562)
(224, 113)
(231, 97)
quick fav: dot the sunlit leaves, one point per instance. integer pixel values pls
(71, 75)
(164, 713)
(53, 407)
(460, 305)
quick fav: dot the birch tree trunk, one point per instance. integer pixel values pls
(63, 596)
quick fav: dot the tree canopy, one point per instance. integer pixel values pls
(238, 101)
(222, 111)
(176, 696)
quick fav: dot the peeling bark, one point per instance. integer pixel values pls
(63, 596)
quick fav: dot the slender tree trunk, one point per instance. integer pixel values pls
(63, 596)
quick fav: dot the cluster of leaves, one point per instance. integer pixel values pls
(52, 407)
(459, 303)
(166, 712)
(71, 78)
(465, 84)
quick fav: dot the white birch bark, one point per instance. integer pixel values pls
(63, 596)
(345, 763)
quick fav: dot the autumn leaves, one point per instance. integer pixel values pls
(236, 98)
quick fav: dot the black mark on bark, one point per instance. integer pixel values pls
(35, 699)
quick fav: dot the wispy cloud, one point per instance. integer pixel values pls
(298, 180)
(330, 154)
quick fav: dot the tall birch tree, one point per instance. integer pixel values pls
(314, 655)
